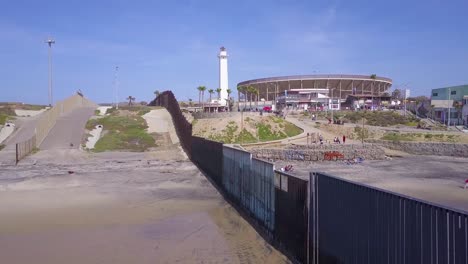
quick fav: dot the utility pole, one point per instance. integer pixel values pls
(332, 106)
(362, 138)
(116, 88)
(448, 102)
(405, 102)
(50, 41)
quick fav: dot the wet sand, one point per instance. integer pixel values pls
(120, 209)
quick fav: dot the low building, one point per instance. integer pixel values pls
(451, 100)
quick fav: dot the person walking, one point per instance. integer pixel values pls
(344, 139)
(466, 184)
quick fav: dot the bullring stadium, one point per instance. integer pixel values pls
(325, 91)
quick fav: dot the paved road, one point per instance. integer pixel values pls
(26, 127)
(68, 130)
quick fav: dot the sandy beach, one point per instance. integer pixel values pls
(120, 208)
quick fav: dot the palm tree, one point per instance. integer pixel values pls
(156, 93)
(211, 91)
(219, 93)
(201, 90)
(203, 95)
(251, 90)
(130, 100)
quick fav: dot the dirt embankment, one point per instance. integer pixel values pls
(245, 128)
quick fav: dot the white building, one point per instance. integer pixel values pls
(223, 76)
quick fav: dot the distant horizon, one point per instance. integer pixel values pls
(174, 45)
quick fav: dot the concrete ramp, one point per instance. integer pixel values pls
(68, 130)
(160, 121)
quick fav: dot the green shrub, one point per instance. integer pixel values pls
(245, 137)
(123, 133)
(292, 130)
(265, 133)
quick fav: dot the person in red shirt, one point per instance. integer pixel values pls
(466, 184)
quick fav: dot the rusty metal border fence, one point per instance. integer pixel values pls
(183, 127)
(24, 148)
(355, 223)
(291, 214)
(250, 183)
(208, 155)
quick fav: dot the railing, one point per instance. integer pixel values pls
(355, 223)
(24, 148)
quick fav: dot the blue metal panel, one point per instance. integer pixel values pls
(250, 182)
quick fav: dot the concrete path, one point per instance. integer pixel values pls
(6, 131)
(68, 130)
(25, 130)
(160, 121)
(308, 127)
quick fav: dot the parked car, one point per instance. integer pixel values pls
(267, 109)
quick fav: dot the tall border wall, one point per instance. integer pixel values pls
(326, 219)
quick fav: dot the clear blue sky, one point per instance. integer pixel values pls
(173, 44)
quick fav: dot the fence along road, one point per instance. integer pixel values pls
(48, 119)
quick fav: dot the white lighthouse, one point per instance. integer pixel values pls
(223, 75)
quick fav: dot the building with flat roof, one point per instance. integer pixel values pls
(324, 91)
(453, 100)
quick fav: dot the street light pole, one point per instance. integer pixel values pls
(332, 105)
(448, 102)
(50, 41)
(116, 88)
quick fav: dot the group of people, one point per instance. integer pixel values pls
(337, 140)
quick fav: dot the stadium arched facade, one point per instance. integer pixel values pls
(325, 91)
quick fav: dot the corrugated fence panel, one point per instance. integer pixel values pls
(355, 223)
(208, 155)
(250, 183)
(291, 213)
(263, 192)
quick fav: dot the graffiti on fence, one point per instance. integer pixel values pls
(293, 155)
(333, 155)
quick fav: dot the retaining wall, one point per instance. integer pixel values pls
(321, 152)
